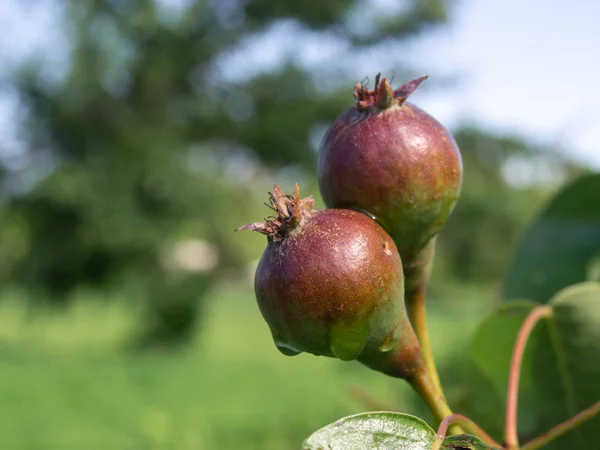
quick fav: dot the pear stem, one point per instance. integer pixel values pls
(417, 271)
(511, 438)
(417, 314)
(422, 383)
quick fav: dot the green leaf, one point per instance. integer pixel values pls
(385, 431)
(562, 247)
(561, 366)
(466, 442)
(373, 431)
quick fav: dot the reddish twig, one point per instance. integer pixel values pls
(511, 438)
(562, 428)
(468, 425)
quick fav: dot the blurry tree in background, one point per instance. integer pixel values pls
(146, 144)
(505, 179)
(142, 161)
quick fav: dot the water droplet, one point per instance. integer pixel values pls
(286, 349)
(371, 215)
(283, 346)
(390, 340)
(348, 340)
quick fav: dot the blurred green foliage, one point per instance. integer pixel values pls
(65, 385)
(146, 144)
(161, 139)
(505, 181)
(150, 143)
(571, 223)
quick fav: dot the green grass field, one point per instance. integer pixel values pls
(66, 382)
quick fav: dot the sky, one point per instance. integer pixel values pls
(521, 67)
(527, 66)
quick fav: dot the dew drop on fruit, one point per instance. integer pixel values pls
(286, 349)
(283, 347)
(371, 215)
(390, 341)
(347, 341)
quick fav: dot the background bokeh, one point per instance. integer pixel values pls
(136, 136)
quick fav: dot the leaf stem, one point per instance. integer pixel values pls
(467, 424)
(562, 428)
(511, 438)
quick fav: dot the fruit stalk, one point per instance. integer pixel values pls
(405, 361)
(417, 271)
(423, 384)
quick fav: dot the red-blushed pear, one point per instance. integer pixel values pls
(387, 157)
(330, 283)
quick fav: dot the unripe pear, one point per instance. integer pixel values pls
(330, 283)
(389, 158)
